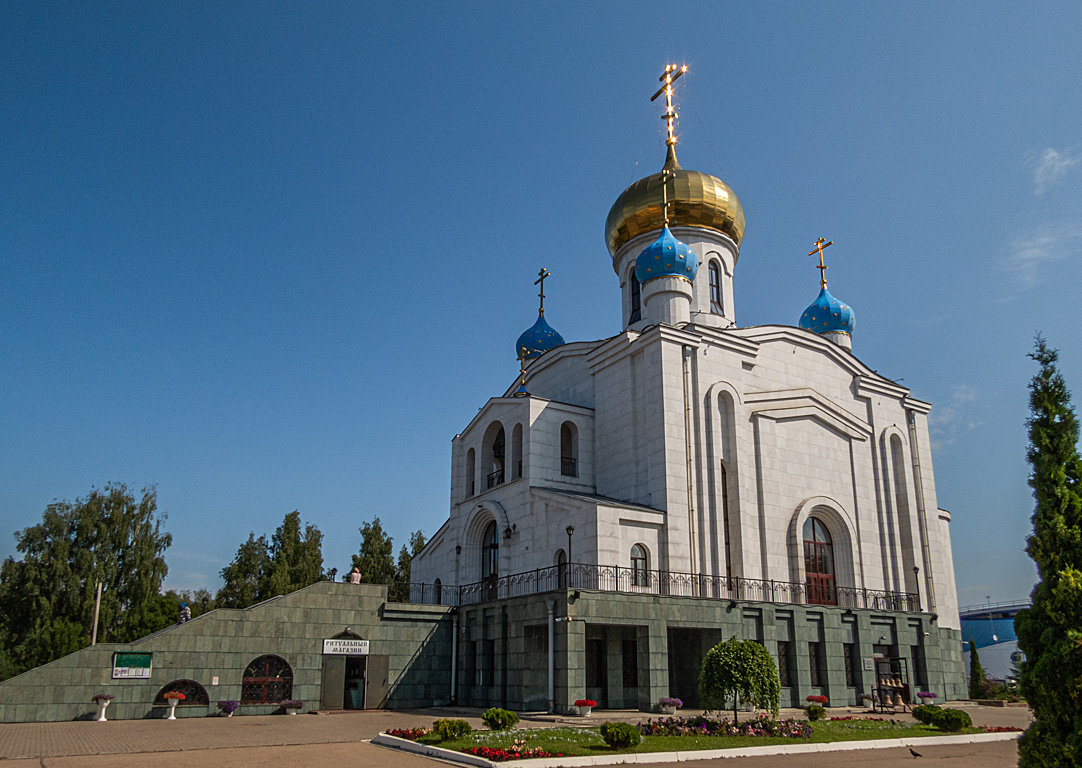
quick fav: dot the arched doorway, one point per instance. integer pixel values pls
(819, 563)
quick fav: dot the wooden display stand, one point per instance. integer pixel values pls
(892, 689)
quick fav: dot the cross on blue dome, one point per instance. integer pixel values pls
(666, 257)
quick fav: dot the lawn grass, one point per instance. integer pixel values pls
(588, 741)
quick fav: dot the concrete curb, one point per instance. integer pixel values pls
(406, 745)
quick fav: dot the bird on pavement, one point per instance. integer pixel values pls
(915, 753)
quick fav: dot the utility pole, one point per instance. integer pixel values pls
(97, 607)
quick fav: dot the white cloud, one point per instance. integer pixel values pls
(946, 421)
(1051, 166)
(1030, 255)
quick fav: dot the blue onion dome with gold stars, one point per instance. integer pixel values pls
(695, 199)
(828, 315)
(537, 340)
(666, 257)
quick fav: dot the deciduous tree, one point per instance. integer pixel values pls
(48, 596)
(1050, 631)
(376, 558)
(739, 670)
(262, 570)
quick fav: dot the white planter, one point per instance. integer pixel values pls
(102, 706)
(291, 711)
(585, 711)
(172, 710)
(667, 709)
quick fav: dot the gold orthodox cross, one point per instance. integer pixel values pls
(820, 244)
(668, 77)
(541, 281)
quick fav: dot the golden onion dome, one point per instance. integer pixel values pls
(695, 200)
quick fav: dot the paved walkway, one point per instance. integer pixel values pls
(311, 741)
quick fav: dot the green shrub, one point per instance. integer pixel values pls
(926, 713)
(499, 719)
(815, 712)
(951, 720)
(449, 730)
(620, 735)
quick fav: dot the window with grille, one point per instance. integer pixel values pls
(817, 662)
(785, 663)
(267, 680)
(852, 665)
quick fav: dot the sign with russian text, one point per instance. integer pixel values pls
(345, 647)
(127, 666)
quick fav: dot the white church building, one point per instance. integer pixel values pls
(688, 479)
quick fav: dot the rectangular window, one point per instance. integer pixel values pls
(852, 665)
(785, 663)
(817, 664)
(919, 676)
(631, 663)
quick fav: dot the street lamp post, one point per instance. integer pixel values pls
(916, 582)
(570, 530)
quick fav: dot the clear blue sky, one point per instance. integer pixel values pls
(272, 256)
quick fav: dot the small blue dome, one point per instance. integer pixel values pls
(827, 315)
(537, 340)
(666, 257)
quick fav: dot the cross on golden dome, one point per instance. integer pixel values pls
(820, 244)
(668, 77)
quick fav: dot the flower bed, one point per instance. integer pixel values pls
(516, 751)
(409, 733)
(705, 726)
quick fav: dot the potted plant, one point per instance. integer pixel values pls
(865, 699)
(815, 708)
(926, 697)
(669, 704)
(228, 707)
(292, 706)
(102, 700)
(172, 698)
(585, 706)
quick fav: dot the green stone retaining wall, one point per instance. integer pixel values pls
(417, 640)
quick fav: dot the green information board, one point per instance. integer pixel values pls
(128, 665)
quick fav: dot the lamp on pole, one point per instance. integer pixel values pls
(570, 530)
(916, 582)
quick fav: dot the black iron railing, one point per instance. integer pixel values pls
(614, 578)
(495, 478)
(569, 467)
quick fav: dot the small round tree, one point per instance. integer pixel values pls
(739, 670)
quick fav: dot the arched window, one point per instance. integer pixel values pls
(492, 459)
(715, 288)
(636, 297)
(516, 452)
(439, 592)
(194, 694)
(640, 566)
(569, 450)
(561, 569)
(819, 563)
(471, 473)
(267, 680)
(490, 552)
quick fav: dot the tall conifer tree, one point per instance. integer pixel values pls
(1050, 632)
